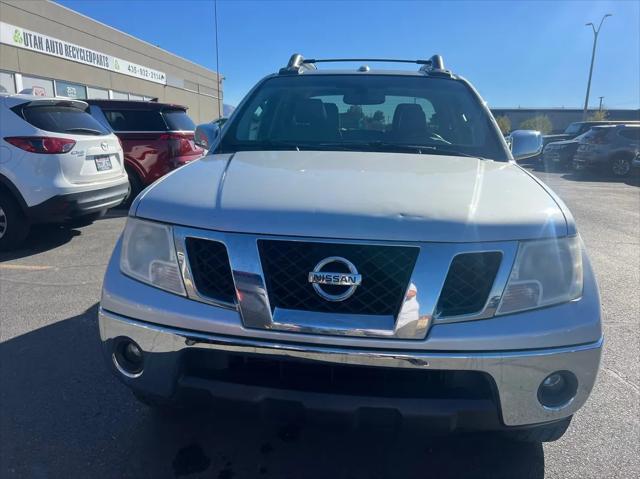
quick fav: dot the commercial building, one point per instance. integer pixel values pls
(58, 52)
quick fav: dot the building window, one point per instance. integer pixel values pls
(7, 83)
(118, 95)
(135, 97)
(39, 86)
(97, 93)
(71, 90)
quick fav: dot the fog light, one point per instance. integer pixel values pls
(558, 389)
(128, 357)
(555, 382)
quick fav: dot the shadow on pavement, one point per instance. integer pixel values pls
(595, 177)
(42, 238)
(64, 415)
(45, 237)
(585, 176)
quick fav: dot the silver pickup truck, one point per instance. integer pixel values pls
(361, 242)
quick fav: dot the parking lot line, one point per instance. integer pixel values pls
(24, 267)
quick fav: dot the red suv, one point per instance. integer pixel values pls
(156, 137)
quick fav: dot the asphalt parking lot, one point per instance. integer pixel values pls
(62, 414)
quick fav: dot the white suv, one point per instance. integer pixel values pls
(56, 162)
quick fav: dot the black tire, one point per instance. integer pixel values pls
(135, 187)
(547, 433)
(14, 227)
(620, 166)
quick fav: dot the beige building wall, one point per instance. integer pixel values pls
(51, 19)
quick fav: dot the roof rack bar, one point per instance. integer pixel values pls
(387, 60)
(297, 62)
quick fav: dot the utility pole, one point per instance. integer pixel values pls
(593, 56)
(219, 82)
(600, 107)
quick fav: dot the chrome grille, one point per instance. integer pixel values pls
(468, 283)
(210, 268)
(385, 274)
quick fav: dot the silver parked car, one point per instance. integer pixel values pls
(359, 241)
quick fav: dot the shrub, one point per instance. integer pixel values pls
(504, 124)
(542, 123)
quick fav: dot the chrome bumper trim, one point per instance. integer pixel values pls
(517, 374)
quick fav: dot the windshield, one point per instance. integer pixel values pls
(364, 113)
(178, 120)
(61, 119)
(573, 128)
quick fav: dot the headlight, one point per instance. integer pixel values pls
(545, 272)
(149, 255)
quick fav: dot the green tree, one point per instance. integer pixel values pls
(353, 117)
(599, 115)
(504, 124)
(542, 123)
(378, 116)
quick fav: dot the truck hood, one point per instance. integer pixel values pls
(355, 195)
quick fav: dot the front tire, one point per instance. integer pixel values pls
(14, 227)
(546, 433)
(135, 187)
(620, 166)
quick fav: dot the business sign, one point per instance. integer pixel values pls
(22, 38)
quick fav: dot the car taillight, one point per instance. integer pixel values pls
(41, 144)
(181, 144)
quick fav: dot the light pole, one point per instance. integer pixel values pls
(593, 56)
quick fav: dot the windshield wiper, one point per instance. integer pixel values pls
(289, 145)
(88, 130)
(421, 149)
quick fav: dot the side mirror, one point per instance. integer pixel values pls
(525, 143)
(206, 135)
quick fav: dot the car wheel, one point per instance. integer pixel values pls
(546, 433)
(620, 166)
(135, 187)
(14, 227)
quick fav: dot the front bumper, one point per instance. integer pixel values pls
(82, 203)
(589, 159)
(515, 374)
(558, 157)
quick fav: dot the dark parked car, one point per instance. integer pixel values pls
(609, 148)
(559, 154)
(156, 137)
(577, 128)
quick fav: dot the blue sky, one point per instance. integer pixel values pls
(515, 53)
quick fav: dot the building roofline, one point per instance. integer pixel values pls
(134, 38)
